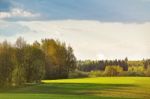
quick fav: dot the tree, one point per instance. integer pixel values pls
(37, 44)
(20, 43)
(48, 47)
(71, 60)
(29, 63)
(147, 64)
(19, 69)
(59, 59)
(6, 64)
(35, 64)
(147, 72)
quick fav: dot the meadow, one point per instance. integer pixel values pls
(83, 88)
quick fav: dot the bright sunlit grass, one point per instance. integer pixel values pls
(103, 80)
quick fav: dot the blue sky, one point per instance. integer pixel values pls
(101, 10)
(114, 28)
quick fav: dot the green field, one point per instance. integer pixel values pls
(84, 88)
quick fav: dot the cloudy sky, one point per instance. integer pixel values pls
(96, 29)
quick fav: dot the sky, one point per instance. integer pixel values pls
(96, 29)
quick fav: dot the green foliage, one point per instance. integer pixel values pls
(6, 64)
(35, 64)
(112, 70)
(96, 73)
(136, 68)
(135, 63)
(60, 59)
(147, 63)
(147, 72)
(131, 73)
(89, 65)
(29, 63)
(78, 74)
(18, 76)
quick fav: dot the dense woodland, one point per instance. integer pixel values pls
(22, 63)
(89, 65)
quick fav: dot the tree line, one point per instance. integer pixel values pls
(22, 63)
(89, 65)
(98, 68)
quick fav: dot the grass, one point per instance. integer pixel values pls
(84, 88)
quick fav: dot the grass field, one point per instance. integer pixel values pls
(84, 88)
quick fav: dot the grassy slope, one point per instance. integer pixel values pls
(85, 88)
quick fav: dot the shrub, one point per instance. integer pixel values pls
(136, 68)
(131, 73)
(78, 74)
(96, 74)
(112, 70)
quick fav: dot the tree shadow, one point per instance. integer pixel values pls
(65, 88)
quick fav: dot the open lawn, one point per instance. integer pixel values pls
(84, 88)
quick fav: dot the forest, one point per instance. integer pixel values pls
(22, 63)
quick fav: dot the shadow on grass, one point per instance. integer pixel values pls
(65, 88)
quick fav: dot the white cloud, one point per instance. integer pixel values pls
(101, 56)
(93, 39)
(17, 12)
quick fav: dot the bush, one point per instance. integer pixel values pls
(78, 74)
(136, 68)
(96, 74)
(112, 70)
(131, 73)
